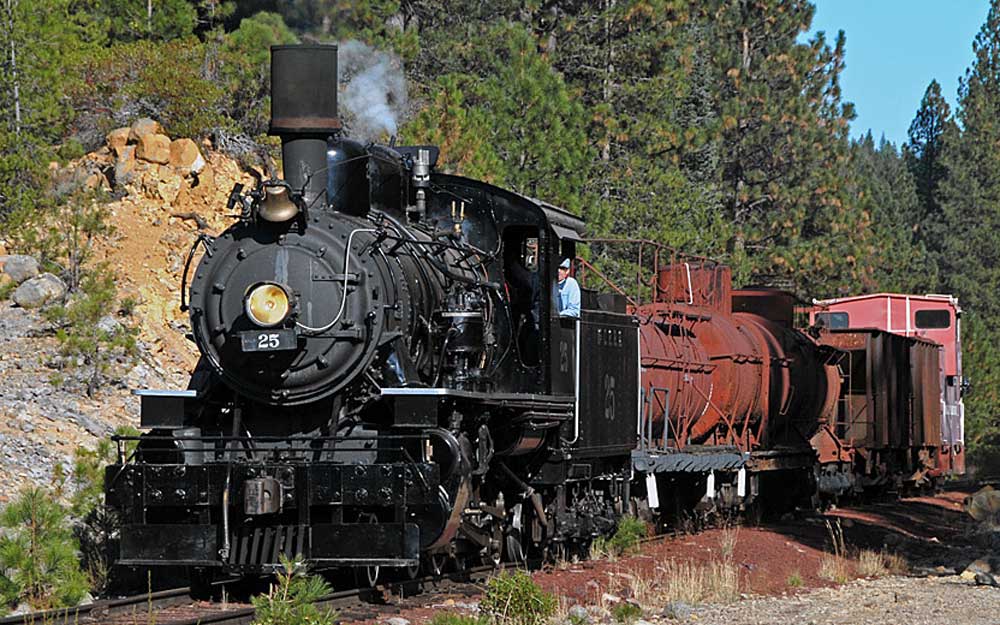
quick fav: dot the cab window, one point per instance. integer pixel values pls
(932, 319)
(833, 320)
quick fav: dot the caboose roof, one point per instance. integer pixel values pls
(930, 297)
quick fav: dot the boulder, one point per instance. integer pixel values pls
(154, 148)
(117, 139)
(976, 567)
(37, 292)
(169, 185)
(185, 156)
(97, 180)
(203, 185)
(676, 611)
(108, 324)
(142, 127)
(578, 615)
(20, 268)
(397, 620)
(125, 166)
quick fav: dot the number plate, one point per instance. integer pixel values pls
(268, 341)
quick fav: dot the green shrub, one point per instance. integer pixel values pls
(165, 81)
(628, 534)
(72, 149)
(794, 580)
(38, 554)
(626, 612)
(515, 599)
(291, 600)
(87, 344)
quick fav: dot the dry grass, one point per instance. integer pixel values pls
(728, 541)
(880, 563)
(834, 568)
(717, 581)
(871, 563)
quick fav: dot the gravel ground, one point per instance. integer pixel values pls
(884, 601)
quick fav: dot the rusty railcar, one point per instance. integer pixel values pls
(887, 429)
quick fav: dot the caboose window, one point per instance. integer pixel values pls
(833, 320)
(933, 319)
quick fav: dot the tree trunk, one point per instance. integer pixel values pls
(11, 6)
(609, 69)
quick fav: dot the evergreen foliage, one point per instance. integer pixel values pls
(88, 342)
(38, 554)
(923, 158)
(291, 600)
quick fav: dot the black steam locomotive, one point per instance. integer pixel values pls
(383, 381)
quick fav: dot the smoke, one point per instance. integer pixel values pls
(372, 91)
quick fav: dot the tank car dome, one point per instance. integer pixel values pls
(323, 342)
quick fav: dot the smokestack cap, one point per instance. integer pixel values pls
(304, 90)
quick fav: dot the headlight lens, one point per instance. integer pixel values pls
(267, 305)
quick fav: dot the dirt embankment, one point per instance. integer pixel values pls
(161, 193)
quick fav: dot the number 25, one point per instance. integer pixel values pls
(267, 341)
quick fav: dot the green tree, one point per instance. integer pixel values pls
(524, 112)
(291, 600)
(154, 20)
(923, 157)
(38, 554)
(784, 150)
(885, 189)
(89, 336)
(969, 240)
(970, 194)
(245, 72)
(41, 42)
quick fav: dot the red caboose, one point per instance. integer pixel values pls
(936, 422)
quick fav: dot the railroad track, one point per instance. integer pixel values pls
(176, 607)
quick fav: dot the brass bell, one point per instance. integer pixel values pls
(277, 206)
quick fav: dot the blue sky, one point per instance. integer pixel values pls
(894, 49)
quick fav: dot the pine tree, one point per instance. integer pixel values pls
(784, 148)
(38, 554)
(970, 195)
(885, 189)
(923, 158)
(518, 115)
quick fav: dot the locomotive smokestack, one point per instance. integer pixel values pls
(304, 112)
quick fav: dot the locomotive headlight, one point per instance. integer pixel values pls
(267, 304)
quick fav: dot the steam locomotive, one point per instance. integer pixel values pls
(385, 380)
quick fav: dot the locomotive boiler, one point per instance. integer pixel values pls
(385, 379)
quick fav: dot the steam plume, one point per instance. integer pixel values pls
(373, 90)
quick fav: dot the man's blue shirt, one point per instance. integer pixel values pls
(569, 298)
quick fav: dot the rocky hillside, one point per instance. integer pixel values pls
(163, 193)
